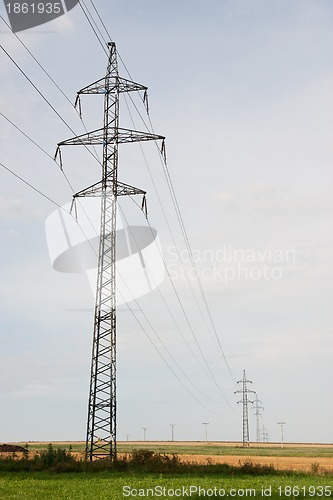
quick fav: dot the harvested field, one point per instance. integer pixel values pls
(307, 464)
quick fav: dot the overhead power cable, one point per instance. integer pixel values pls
(27, 136)
(185, 236)
(210, 374)
(166, 304)
(36, 61)
(31, 186)
(166, 349)
(92, 225)
(47, 74)
(96, 29)
(164, 213)
(93, 25)
(37, 89)
(194, 266)
(183, 230)
(44, 98)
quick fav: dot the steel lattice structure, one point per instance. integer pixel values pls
(102, 408)
(257, 414)
(244, 401)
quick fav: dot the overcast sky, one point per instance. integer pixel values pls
(242, 90)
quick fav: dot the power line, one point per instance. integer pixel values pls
(171, 313)
(43, 97)
(165, 216)
(184, 233)
(46, 73)
(32, 187)
(102, 23)
(166, 349)
(171, 281)
(92, 225)
(175, 201)
(26, 136)
(36, 60)
(52, 158)
(137, 320)
(172, 191)
(36, 88)
(186, 239)
(93, 25)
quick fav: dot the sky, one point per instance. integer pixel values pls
(242, 91)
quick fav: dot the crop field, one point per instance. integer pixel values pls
(305, 478)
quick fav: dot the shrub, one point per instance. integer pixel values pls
(248, 467)
(150, 461)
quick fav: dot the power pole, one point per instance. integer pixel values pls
(172, 427)
(144, 432)
(257, 414)
(206, 425)
(244, 401)
(102, 408)
(281, 424)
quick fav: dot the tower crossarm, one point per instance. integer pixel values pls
(241, 401)
(104, 85)
(97, 137)
(245, 390)
(97, 189)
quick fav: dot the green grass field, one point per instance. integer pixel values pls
(106, 486)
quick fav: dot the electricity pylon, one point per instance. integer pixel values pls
(264, 435)
(257, 414)
(102, 408)
(244, 401)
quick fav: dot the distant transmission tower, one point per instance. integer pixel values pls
(257, 415)
(102, 408)
(264, 435)
(244, 401)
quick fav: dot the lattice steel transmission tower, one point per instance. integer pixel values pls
(102, 408)
(264, 435)
(244, 401)
(257, 415)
